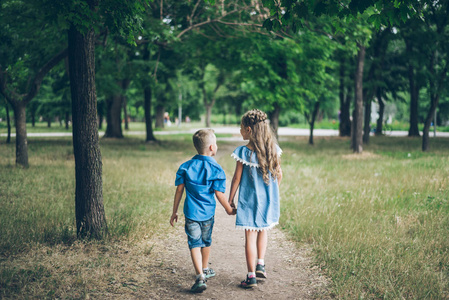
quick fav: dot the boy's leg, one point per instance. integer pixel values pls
(197, 260)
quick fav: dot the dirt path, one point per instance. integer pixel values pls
(288, 268)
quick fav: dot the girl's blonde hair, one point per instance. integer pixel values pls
(264, 141)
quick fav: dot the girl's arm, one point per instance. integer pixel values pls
(235, 182)
(177, 200)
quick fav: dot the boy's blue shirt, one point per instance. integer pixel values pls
(202, 176)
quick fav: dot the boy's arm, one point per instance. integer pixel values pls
(222, 199)
(177, 200)
(235, 182)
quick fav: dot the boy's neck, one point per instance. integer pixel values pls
(206, 154)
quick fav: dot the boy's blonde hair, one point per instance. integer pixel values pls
(202, 139)
(264, 141)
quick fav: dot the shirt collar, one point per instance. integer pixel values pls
(205, 158)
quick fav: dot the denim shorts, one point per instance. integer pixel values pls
(199, 233)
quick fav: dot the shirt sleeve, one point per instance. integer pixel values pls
(180, 176)
(219, 180)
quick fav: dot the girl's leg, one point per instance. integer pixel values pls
(262, 241)
(251, 249)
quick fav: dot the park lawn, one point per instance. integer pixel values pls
(377, 222)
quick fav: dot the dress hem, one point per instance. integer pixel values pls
(251, 228)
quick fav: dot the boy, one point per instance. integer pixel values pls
(202, 177)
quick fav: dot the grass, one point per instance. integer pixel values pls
(377, 222)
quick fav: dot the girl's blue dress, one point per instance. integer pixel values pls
(258, 203)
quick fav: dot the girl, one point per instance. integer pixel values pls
(258, 173)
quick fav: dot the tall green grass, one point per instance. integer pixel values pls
(38, 203)
(378, 223)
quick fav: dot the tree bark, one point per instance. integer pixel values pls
(160, 109)
(114, 117)
(148, 118)
(66, 121)
(21, 134)
(367, 121)
(274, 119)
(208, 114)
(125, 84)
(357, 141)
(147, 102)
(380, 120)
(8, 122)
(125, 112)
(90, 215)
(345, 121)
(316, 108)
(414, 98)
(425, 136)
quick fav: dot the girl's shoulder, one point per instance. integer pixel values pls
(246, 156)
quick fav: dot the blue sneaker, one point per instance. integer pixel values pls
(209, 273)
(199, 286)
(250, 282)
(260, 271)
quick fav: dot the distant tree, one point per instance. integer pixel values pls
(24, 61)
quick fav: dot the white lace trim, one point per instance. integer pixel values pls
(250, 228)
(233, 155)
(280, 152)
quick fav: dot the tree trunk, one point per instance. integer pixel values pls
(49, 122)
(414, 94)
(21, 134)
(125, 84)
(90, 215)
(274, 119)
(380, 120)
(8, 122)
(208, 114)
(345, 122)
(357, 143)
(367, 121)
(33, 118)
(113, 117)
(312, 122)
(66, 121)
(160, 109)
(125, 112)
(425, 135)
(148, 118)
